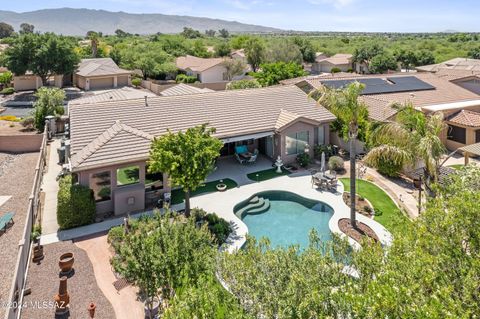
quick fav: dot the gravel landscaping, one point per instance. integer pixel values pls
(16, 180)
(43, 279)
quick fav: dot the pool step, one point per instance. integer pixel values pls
(256, 205)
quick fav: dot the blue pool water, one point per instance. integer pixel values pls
(288, 220)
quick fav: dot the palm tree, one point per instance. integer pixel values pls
(93, 37)
(414, 137)
(344, 104)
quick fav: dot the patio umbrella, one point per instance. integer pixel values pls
(322, 167)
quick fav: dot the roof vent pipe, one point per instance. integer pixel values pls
(146, 100)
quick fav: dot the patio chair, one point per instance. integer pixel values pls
(332, 184)
(241, 161)
(255, 152)
(317, 181)
(5, 220)
(252, 159)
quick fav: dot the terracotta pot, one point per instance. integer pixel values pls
(62, 299)
(91, 309)
(66, 263)
(37, 253)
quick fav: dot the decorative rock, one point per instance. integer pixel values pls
(37, 253)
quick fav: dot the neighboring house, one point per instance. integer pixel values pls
(30, 82)
(110, 141)
(324, 64)
(120, 94)
(183, 89)
(205, 70)
(100, 74)
(461, 71)
(239, 55)
(453, 64)
(428, 92)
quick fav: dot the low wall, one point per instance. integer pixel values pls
(22, 143)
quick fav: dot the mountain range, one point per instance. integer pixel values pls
(70, 21)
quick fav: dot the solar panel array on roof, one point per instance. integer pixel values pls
(383, 85)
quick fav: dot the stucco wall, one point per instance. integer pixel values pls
(470, 135)
(26, 83)
(120, 194)
(23, 143)
(297, 127)
(80, 81)
(214, 74)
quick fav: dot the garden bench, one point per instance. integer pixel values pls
(5, 220)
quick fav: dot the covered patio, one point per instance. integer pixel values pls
(472, 150)
(229, 167)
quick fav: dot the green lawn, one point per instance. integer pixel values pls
(178, 195)
(128, 175)
(391, 217)
(266, 174)
(456, 166)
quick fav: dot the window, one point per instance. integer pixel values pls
(100, 183)
(319, 135)
(153, 180)
(295, 143)
(457, 134)
(128, 175)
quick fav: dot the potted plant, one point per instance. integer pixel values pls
(104, 193)
(37, 249)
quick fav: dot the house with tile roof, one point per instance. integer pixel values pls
(461, 71)
(428, 92)
(325, 64)
(207, 70)
(100, 74)
(110, 140)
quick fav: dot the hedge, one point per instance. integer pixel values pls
(75, 204)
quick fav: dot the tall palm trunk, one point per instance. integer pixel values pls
(187, 203)
(353, 188)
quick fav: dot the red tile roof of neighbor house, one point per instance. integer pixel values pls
(380, 104)
(454, 75)
(465, 118)
(453, 64)
(197, 64)
(97, 139)
(337, 59)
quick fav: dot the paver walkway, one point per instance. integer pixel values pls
(124, 302)
(50, 188)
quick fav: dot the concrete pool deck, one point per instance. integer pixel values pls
(300, 183)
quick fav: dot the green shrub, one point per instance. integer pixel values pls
(7, 91)
(303, 159)
(28, 122)
(335, 163)
(183, 78)
(115, 236)
(389, 168)
(75, 204)
(136, 82)
(335, 70)
(218, 226)
(327, 149)
(243, 84)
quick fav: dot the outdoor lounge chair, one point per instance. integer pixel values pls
(5, 220)
(252, 159)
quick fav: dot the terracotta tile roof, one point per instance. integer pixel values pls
(453, 74)
(284, 118)
(444, 92)
(453, 64)
(197, 64)
(472, 149)
(119, 142)
(465, 118)
(233, 113)
(99, 67)
(337, 59)
(182, 89)
(125, 93)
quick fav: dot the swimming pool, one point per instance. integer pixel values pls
(284, 218)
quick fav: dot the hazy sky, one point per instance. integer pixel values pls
(317, 15)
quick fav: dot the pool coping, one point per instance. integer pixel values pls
(222, 203)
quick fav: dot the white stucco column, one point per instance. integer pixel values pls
(115, 81)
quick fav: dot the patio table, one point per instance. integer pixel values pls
(246, 155)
